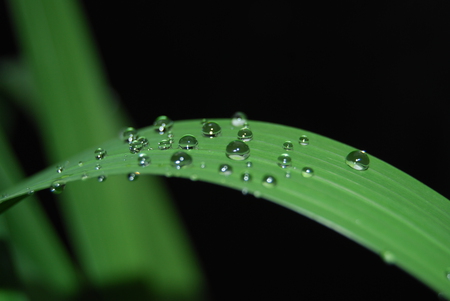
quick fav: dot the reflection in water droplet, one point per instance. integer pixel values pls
(307, 172)
(245, 134)
(59, 169)
(225, 169)
(284, 161)
(180, 159)
(129, 134)
(98, 166)
(238, 119)
(237, 150)
(101, 178)
(57, 187)
(288, 145)
(162, 124)
(188, 142)
(136, 146)
(358, 160)
(100, 153)
(132, 176)
(269, 181)
(164, 144)
(211, 129)
(143, 160)
(303, 140)
(246, 177)
(388, 257)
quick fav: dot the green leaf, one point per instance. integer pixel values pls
(381, 208)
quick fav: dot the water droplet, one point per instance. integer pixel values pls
(80, 163)
(288, 174)
(245, 134)
(225, 169)
(133, 176)
(248, 164)
(358, 160)
(84, 177)
(100, 153)
(203, 121)
(57, 187)
(135, 146)
(98, 166)
(143, 140)
(203, 165)
(30, 191)
(244, 191)
(447, 273)
(238, 119)
(101, 178)
(211, 129)
(164, 144)
(193, 177)
(180, 159)
(129, 134)
(143, 160)
(284, 161)
(237, 150)
(59, 169)
(307, 172)
(269, 181)
(303, 140)
(388, 257)
(162, 124)
(288, 145)
(188, 142)
(246, 177)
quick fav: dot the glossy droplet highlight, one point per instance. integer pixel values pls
(211, 129)
(164, 144)
(238, 119)
(162, 124)
(59, 169)
(245, 134)
(237, 150)
(246, 177)
(358, 160)
(143, 160)
(129, 134)
(101, 178)
(98, 166)
(136, 146)
(57, 187)
(180, 159)
(303, 140)
(100, 153)
(284, 161)
(269, 181)
(143, 140)
(132, 176)
(248, 164)
(225, 169)
(307, 172)
(188, 142)
(288, 145)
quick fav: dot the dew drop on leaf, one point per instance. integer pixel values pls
(30, 191)
(84, 177)
(238, 119)
(307, 172)
(164, 144)
(303, 140)
(225, 169)
(101, 178)
(180, 159)
(59, 169)
(132, 176)
(237, 150)
(284, 161)
(388, 257)
(248, 164)
(211, 129)
(98, 166)
(358, 160)
(188, 142)
(100, 153)
(269, 181)
(80, 163)
(143, 140)
(129, 134)
(143, 160)
(57, 187)
(288, 145)
(245, 134)
(246, 177)
(136, 146)
(162, 124)
(447, 273)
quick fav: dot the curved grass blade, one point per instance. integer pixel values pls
(382, 208)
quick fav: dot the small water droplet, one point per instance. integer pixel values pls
(211, 129)
(188, 142)
(80, 163)
(358, 160)
(164, 144)
(57, 187)
(237, 150)
(244, 191)
(303, 140)
(101, 178)
(98, 166)
(307, 172)
(248, 164)
(246, 177)
(269, 181)
(238, 119)
(30, 191)
(180, 159)
(288, 145)
(143, 160)
(203, 165)
(447, 273)
(284, 161)
(203, 121)
(162, 124)
(245, 134)
(225, 169)
(193, 177)
(59, 169)
(257, 194)
(388, 257)
(288, 174)
(136, 146)
(100, 153)
(143, 140)
(133, 176)
(84, 177)
(170, 135)
(129, 134)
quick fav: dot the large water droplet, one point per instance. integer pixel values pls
(100, 153)
(269, 181)
(288, 145)
(238, 119)
(133, 176)
(246, 177)
(129, 134)
(136, 146)
(225, 169)
(57, 187)
(143, 160)
(162, 124)
(180, 159)
(284, 161)
(59, 169)
(164, 144)
(211, 129)
(358, 160)
(303, 140)
(101, 178)
(245, 134)
(237, 150)
(307, 172)
(188, 142)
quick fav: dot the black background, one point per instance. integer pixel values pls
(374, 75)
